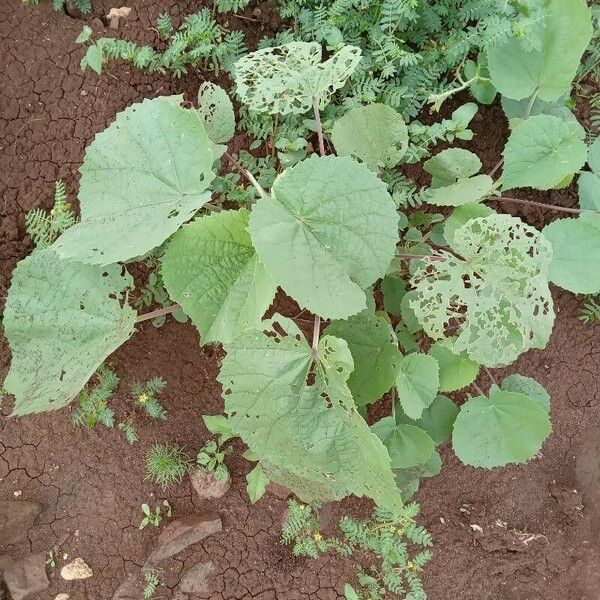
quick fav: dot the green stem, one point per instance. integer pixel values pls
(159, 312)
(315, 337)
(438, 99)
(530, 104)
(245, 173)
(319, 126)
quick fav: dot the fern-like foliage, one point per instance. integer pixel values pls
(128, 429)
(235, 6)
(145, 396)
(85, 6)
(93, 402)
(590, 313)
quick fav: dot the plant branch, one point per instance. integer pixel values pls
(315, 337)
(159, 312)
(489, 374)
(527, 113)
(575, 211)
(319, 126)
(245, 173)
(419, 257)
(479, 390)
(496, 167)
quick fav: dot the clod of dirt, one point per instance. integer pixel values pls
(25, 577)
(62, 597)
(198, 580)
(130, 589)
(206, 486)
(73, 10)
(184, 532)
(16, 518)
(279, 491)
(115, 14)
(77, 569)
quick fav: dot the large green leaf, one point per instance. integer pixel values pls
(464, 191)
(506, 428)
(449, 165)
(494, 301)
(457, 371)
(215, 110)
(62, 319)
(407, 445)
(417, 383)
(286, 79)
(575, 253)
(210, 268)
(542, 151)
(515, 109)
(518, 71)
(309, 438)
(375, 133)
(375, 357)
(141, 179)
(589, 191)
(326, 233)
(436, 420)
(461, 215)
(528, 386)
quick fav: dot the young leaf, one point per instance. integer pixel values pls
(515, 109)
(62, 319)
(541, 152)
(495, 297)
(408, 480)
(518, 71)
(375, 357)
(326, 233)
(376, 134)
(506, 428)
(464, 191)
(436, 420)
(93, 58)
(393, 289)
(85, 35)
(257, 483)
(285, 79)
(461, 215)
(219, 425)
(575, 253)
(216, 112)
(417, 383)
(457, 371)
(529, 387)
(407, 445)
(483, 91)
(309, 438)
(449, 165)
(141, 179)
(589, 191)
(210, 268)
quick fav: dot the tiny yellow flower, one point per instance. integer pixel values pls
(410, 565)
(318, 537)
(142, 398)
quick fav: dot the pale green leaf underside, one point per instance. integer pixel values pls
(326, 233)
(141, 179)
(517, 71)
(521, 384)
(575, 253)
(507, 428)
(541, 152)
(417, 383)
(454, 163)
(210, 269)
(407, 445)
(457, 371)
(285, 79)
(594, 156)
(61, 323)
(215, 110)
(375, 357)
(515, 109)
(310, 438)
(464, 191)
(589, 191)
(375, 133)
(257, 483)
(497, 300)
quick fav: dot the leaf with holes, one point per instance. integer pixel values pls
(541, 152)
(375, 356)
(61, 320)
(141, 179)
(210, 268)
(326, 233)
(493, 302)
(216, 112)
(375, 133)
(309, 438)
(417, 383)
(506, 428)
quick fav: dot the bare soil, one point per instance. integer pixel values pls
(519, 533)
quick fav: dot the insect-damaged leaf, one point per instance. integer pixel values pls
(309, 438)
(62, 319)
(141, 179)
(493, 302)
(215, 110)
(326, 233)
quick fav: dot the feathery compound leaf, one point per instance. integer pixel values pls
(216, 112)
(417, 383)
(375, 357)
(517, 71)
(210, 268)
(506, 428)
(62, 319)
(376, 134)
(521, 384)
(141, 179)
(456, 370)
(575, 253)
(495, 298)
(328, 231)
(285, 79)
(542, 151)
(310, 438)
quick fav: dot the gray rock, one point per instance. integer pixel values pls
(16, 519)
(25, 577)
(198, 580)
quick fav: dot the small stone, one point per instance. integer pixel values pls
(83, 93)
(206, 486)
(77, 569)
(62, 597)
(198, 580)
(17, 493)
(25, 577)
(182, 533)
(16, 519)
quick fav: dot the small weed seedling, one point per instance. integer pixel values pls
(211, 458)
(93, 402)
(152, 581)
(154, 517)
(166, 464)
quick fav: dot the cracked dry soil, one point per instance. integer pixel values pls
(536, 536)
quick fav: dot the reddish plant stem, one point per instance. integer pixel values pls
(315, 338)
(496, 167)
(419, 256)
(245, 173)
(159, 312)
(575, 211)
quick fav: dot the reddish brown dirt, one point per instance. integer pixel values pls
(536, 542)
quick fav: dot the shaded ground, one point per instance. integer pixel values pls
(535, 541)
